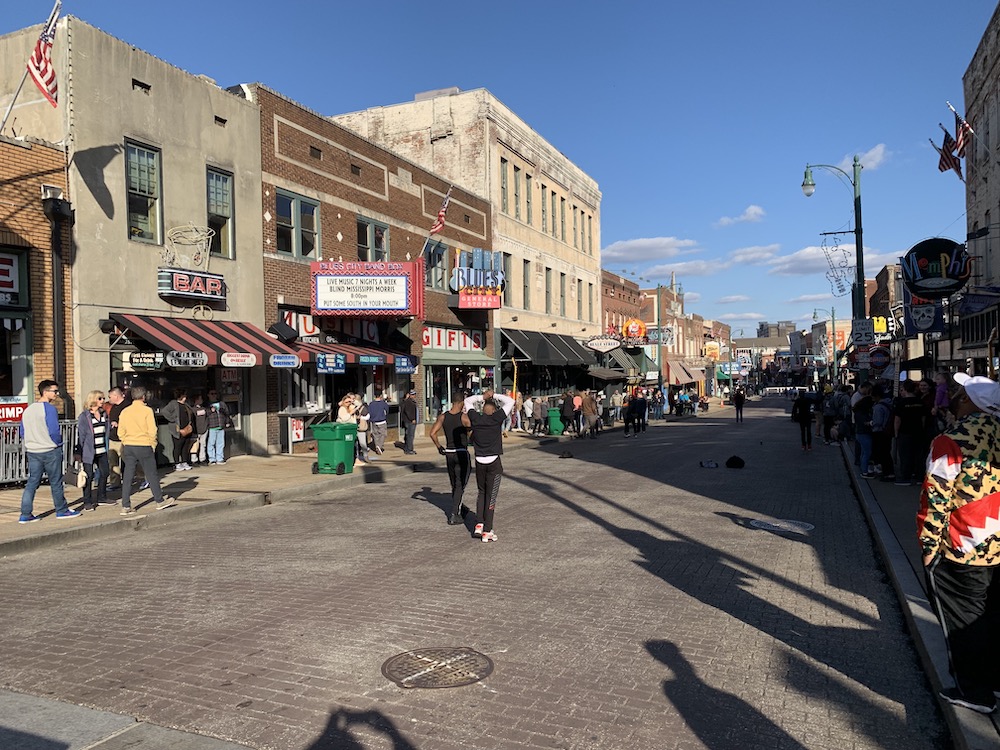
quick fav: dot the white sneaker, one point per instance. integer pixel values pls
(478, 530)
(488, 536)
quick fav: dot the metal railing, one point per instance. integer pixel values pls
(13, 459)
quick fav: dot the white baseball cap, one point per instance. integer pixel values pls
(983, 392)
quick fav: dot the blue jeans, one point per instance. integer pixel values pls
(864, 441)
(409, 431)
(49, 463)
(216, 439)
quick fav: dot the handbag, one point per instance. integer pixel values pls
(195, 446)
(185, 430)
(81, 478)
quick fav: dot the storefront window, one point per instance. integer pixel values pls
(15, 359)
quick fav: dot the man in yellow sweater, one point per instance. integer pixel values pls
(137, 432)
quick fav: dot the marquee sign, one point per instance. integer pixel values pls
(604, 344)
(383, 289)
(936, 268)
(179, 282)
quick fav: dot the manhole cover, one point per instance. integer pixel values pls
(794, 527)
(438, 667)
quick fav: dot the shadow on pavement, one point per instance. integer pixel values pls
(12, 738)
(339, 734)
(702, 707)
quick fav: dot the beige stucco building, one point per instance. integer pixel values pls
(152, 152)
(546, 210)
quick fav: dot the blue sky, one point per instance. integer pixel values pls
(696, 119)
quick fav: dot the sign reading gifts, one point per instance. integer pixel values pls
(454, 339)
(385, 289)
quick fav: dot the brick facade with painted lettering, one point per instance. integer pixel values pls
(306, 156)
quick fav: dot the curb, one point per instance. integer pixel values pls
(969, 730)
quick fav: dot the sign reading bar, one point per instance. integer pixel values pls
(286, 361)
(146, 360)
(238, 359)
(331, 364)
(179, 282)
(187, 359)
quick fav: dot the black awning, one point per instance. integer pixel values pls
(579, 353)
(536, 347)
(607, 374)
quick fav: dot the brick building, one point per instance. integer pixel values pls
(331, 196)
(32, 179)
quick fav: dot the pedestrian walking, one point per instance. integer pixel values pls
(960, 541)
(43, 444)
(882, 429)
(199, 448)
(616, 405)
(566, 413)
(640, 410)
(378, 413)
(137, 431)
(540, 411)
(739, 398)
(487, 439)
(117, 401)
(802, 413)
(829, 413)
(628, 416)
(361, 439)
(863, 408)
(408, 421)
(589, 410)
(455, 425)
(92, 450)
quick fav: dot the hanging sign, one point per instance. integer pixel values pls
(604, 343)
(187, 359)
(238, 359)
(936, 268)
(146, 360)
(285, 361)
(405, 365)
(331, 364)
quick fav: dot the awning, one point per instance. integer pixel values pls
(535, 347)
(606, 374)
(679, 374)
(720, 375)
(578, 352)
(456, 357)
(213, 337)
(623, 359)
(355, 354)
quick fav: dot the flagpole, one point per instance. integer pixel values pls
(24, 76)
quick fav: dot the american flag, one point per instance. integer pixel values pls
(40, 65)
(963, 134)
(439, 222)
(948, 160)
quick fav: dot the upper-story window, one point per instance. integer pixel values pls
(527, 199)
(503, 187)
(517, 192)
(145, 212)
(297, 226)
(545, 210)
(373, 241)
(219, 187)
(437, 266)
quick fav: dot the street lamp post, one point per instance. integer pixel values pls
(858, 297)
(833, 325)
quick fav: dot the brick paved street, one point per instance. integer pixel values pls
(628, 604)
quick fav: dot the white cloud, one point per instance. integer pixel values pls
(811, 298)
(755, 255)
(807, 261)
(752, 213)
(647, 249)
(692, 297)
(871, 159)
(686, 268)
(748, 316)
(733, 298)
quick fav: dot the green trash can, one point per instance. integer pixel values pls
(555, 422)
(335, 443)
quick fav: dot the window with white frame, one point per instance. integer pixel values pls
(297, 220)
(373, 241)
(437, 266)
(219, 188)
(144, 181)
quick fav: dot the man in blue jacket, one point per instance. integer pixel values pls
(42, 439)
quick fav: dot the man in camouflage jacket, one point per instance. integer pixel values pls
(959, 531)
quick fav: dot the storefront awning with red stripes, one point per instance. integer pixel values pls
(308, 351)
(213, 337)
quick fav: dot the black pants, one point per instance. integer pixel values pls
(739, 413)
(807, 434)
(488, 479)
(458, 472)
(911, 461)
(104, 471)
(967, 600)
(140, 455)
(882, 452)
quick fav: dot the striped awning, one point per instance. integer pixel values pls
(216, 338)
(355, 354)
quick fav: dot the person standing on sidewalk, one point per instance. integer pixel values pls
(487, 438)
(589, 410)
(455, 424)
(960, 540)
(92, 450)
(910, 432)
(137, 431)
(199, 449)
(408, 421)
(39, 430)
(117, 400)
(378, 416)
(180, 421)
(640, 411)
(218, 422)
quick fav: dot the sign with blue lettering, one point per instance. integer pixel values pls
(371, 359)
(405, 365)
(286, 361)
(331, 364)
(936, 268)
